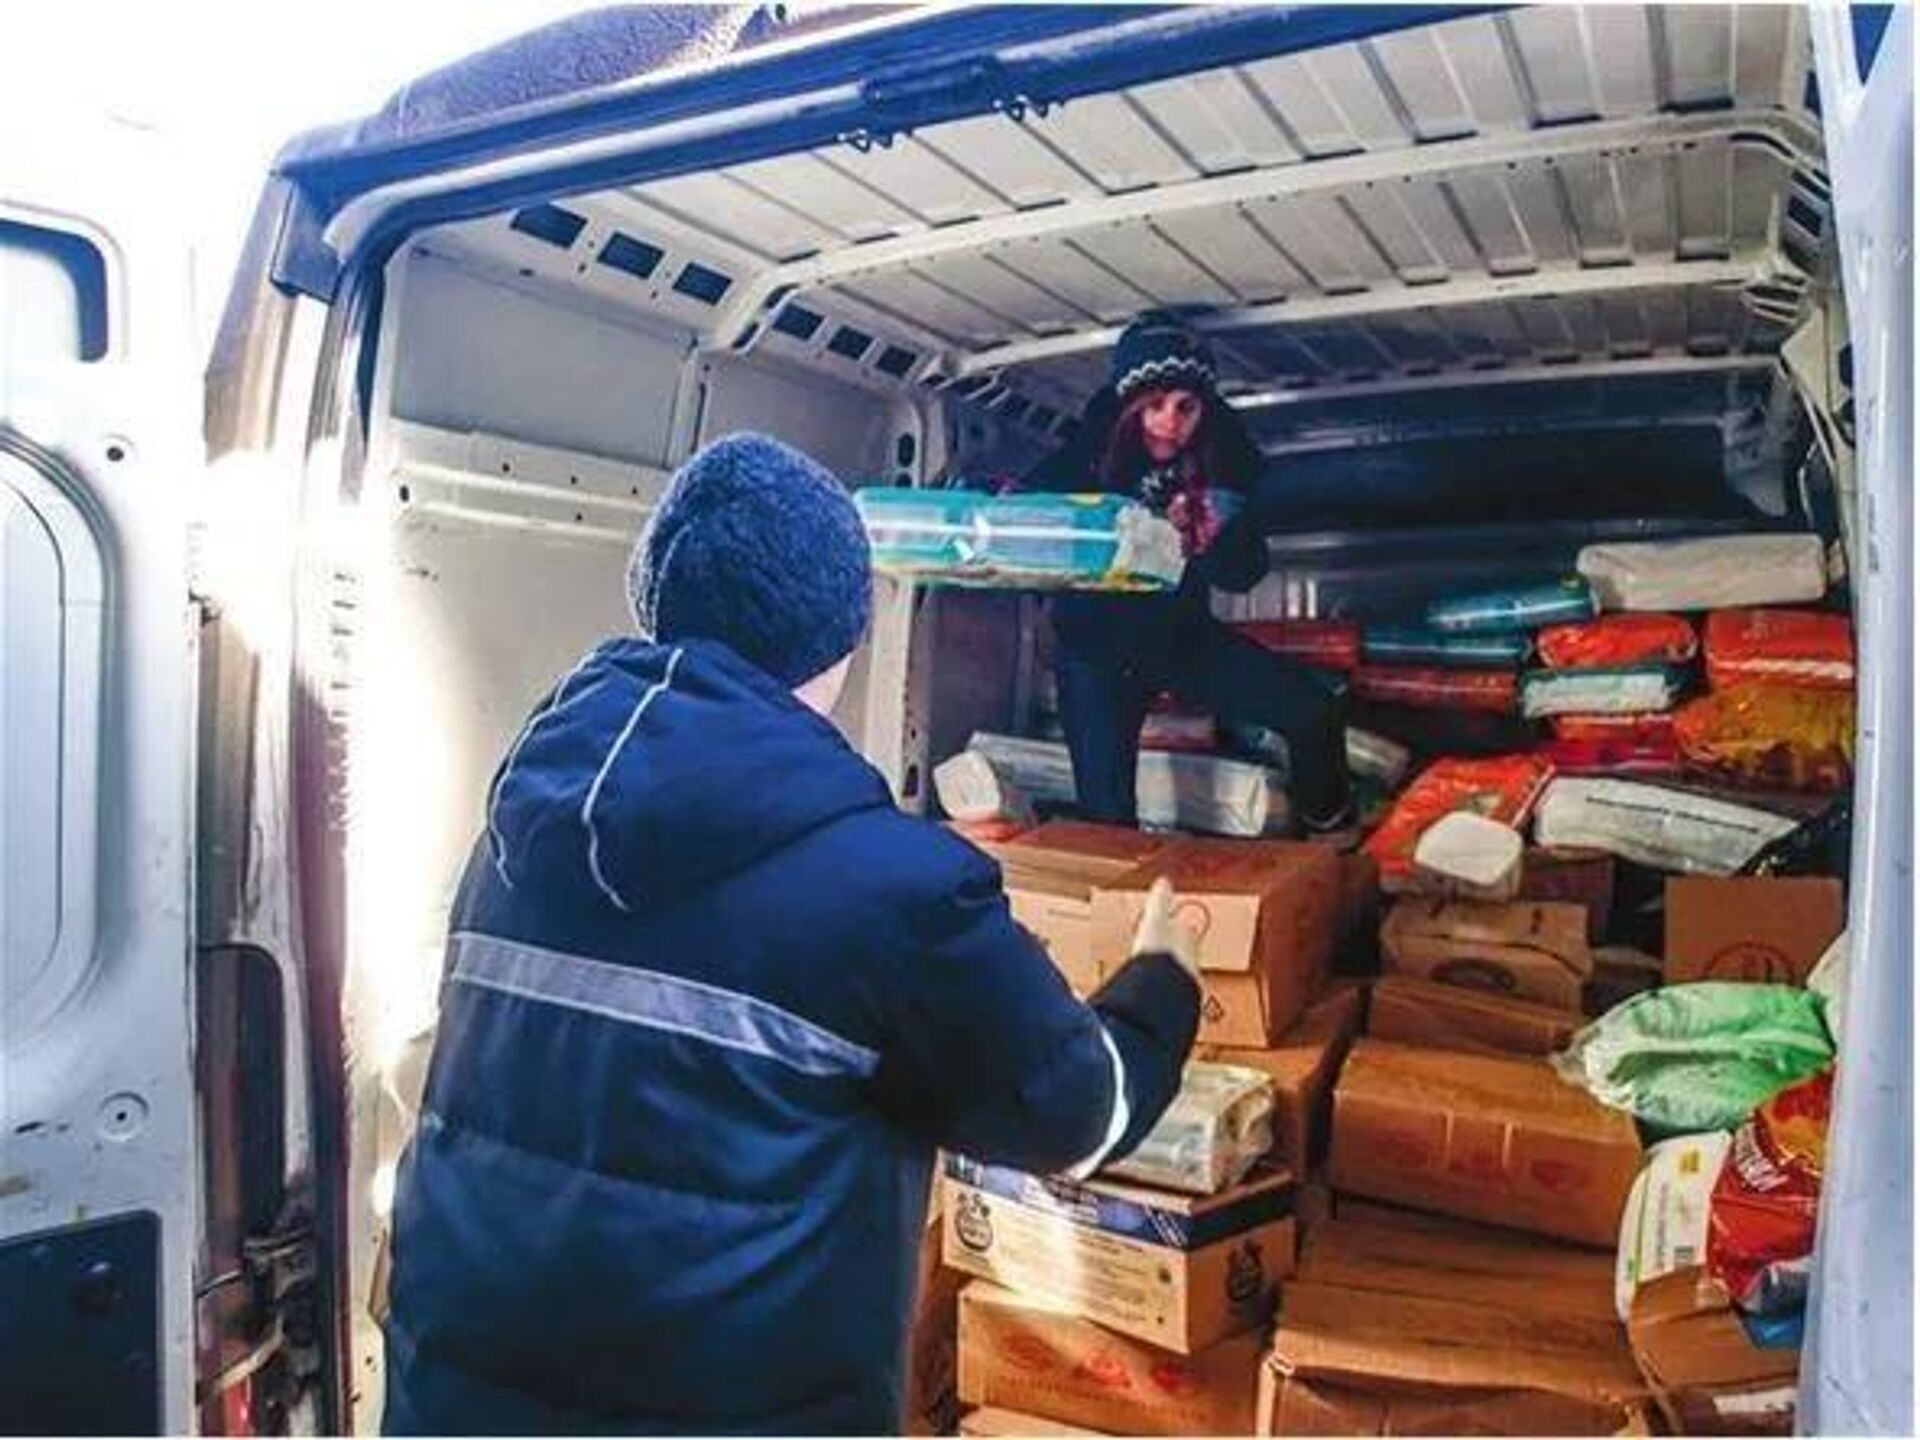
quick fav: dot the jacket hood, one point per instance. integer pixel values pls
(652, 769)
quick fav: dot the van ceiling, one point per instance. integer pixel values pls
(1551, 195)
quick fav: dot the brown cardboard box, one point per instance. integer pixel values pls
(1181, 1271)
(1415, 1329)
(1526, 949)
(1570, 875)
(1445, 1017)
(1708, 1377)
(1050, 874)
(1021, 1353)
(1749, 928)
(933, 1397)
(1620, 972)
(991, 1420)
(1262, 913)
(1302, 1065)
(1357, 932)
(1490, 1138)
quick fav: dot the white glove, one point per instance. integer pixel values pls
(1160, 934)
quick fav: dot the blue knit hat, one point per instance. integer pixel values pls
(1158, 348)
(758, 547)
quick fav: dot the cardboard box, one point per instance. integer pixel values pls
(1262, 913)
(1303, 1066)
(991, 1420)
(1771, 930)
(1571, 875)
(1357, 931)
(1620, 972)
(1445, 1017)
(1026, 1354)
(933, 1391)
(1490, 1138)
(1050, 874)
(1181, 1271)
(1527, 949)
(1413, 1328)
(1708, 1377)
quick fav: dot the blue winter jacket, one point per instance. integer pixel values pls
(710, 1004)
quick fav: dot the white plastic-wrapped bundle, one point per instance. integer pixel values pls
(1219, 1124)
(1471, 856)
(1608, 690)
(1375, 757)
(1664, 1227)
(971, 790)
(1174, 791)
(1711, 574)
(1655, 826)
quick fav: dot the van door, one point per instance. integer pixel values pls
(1857, 1376)
(99, 1201)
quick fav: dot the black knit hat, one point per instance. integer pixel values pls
(1158, 348)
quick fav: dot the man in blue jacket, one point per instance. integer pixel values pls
(711, 1002)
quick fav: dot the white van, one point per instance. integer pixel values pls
(1488, 284)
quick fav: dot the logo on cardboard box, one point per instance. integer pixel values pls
(1173, 1378)
(1246, 1278)
(1750, 960)
(1562, 1177)
(1475, 975)
(1027, 1352)
(1104, 1369)
(973, 1224)
(1403, 1150)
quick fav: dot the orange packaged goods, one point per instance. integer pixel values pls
(1653, 729)
(1330, 644)
(1771, 736)
(1020, 1352)
(1807, 648)
(1761, 1218)
(1619, 639)
(1262, 914)
(1497, 691)
(1481, 1137)
(1504, 789)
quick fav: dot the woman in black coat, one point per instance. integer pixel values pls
(1161, 434)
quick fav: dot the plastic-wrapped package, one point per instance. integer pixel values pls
(1471, 856)
(1217, 1128)
(1174, 791)
(1811, 648)
(1612, 757)
(973, 792)
(1716, 573)
(1650, 639)
(1664, 1228)
(1329, 644)
(1687, 1058)
(1502, 789)
(1654, 729)
(1655, 826)
(1563, 602)
(1169, 727)
(1761, 1221)
(964, 537)
(1614, 690)
(1494, 691)
(1771, 735)
(1375, 757)
(1414, 645)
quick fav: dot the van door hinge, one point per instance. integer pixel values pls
(279, 1269)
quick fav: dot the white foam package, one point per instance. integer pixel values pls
(1664, 1227)
(1471, 856)
(1716, 573)
(1655, 826)
(1217, 1127)
(1617, 690)
(1174, 790)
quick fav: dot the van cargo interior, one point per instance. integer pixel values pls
(1486, 291)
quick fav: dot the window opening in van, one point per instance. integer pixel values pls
(697, 282)
(549, 223)
(56, 288)
(895, 361)
(849, 343)
(798, 322)
(630, 256)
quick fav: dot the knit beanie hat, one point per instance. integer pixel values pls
(1157, 348)
(759, 547)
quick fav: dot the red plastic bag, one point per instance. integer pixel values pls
(1612, 756)
(1811, 648)
(1761, 1219)
(1621, 639)
(1503, 789)
(1169, 727)
(1654, 728)
(1497, 691)
(1771, 736)
(1329, 644)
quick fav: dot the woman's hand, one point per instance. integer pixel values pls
(1160, 934)
(1198, 520)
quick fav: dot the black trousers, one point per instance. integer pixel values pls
(1104, 702)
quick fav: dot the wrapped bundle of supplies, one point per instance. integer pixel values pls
(1026, 542)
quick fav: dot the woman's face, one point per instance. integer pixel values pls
(1168, 421)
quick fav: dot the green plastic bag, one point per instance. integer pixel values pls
(1699, 1057)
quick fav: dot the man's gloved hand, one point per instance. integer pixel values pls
(1160, 933)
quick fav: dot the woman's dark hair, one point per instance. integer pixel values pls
(1220, 454)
